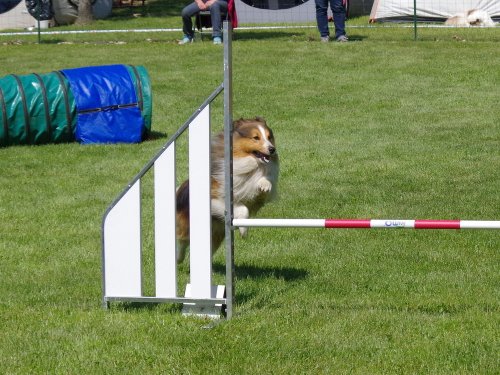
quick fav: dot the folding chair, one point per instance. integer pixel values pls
(204, 21)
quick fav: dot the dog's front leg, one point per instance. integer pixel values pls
(264, 185)
(242, 212)
(218, 208)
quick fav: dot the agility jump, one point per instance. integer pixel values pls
(121, 227)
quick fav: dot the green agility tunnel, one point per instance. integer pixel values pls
(101, 104)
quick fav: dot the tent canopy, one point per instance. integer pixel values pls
(429, 10)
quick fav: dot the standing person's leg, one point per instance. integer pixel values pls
(339, 15)
(220, 6)
(322, 19)
(187, 23)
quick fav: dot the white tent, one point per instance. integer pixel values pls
(289, 11)
(16, 18)
(429, 10)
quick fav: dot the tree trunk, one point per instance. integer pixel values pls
(85, 15)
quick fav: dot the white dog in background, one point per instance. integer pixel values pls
(473, 17)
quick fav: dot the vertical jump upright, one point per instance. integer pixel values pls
(228, 166)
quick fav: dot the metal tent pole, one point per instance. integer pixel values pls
(415, 19)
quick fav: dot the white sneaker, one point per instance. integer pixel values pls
(185, 40)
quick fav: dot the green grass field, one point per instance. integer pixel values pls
(382, 127)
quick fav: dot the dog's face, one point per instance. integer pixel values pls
(253, 137)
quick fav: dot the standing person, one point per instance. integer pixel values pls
(339, 15)
(216, 7)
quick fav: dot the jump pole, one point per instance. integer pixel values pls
(367, 223)
(228, 166)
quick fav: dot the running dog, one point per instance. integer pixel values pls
(255, 177)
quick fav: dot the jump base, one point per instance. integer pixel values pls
(205, 310)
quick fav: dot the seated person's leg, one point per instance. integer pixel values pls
(187, 23)
(220, 6)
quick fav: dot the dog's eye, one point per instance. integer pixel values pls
(257, 138)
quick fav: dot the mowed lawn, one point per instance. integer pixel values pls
(382, 127)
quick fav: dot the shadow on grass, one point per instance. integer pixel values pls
(154, 135)
(146, 306)
(356, 37)
(242, 35)
(244, 271)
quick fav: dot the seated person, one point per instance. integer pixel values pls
(216, 7)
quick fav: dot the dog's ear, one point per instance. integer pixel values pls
(260, 119)
(238, 128)
(238, 123)
(241, 121)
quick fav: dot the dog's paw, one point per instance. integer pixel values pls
(265, 185)
(243, 231)
(242, 212)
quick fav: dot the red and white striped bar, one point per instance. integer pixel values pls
(367, 223)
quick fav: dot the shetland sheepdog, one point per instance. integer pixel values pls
(473, 17)
(255, 177)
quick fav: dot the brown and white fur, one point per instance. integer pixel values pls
(255, 177)
(472, 17)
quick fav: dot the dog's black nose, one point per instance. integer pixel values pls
(272, 150)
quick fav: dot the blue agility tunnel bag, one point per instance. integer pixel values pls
(103, 108)
(108, 108)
